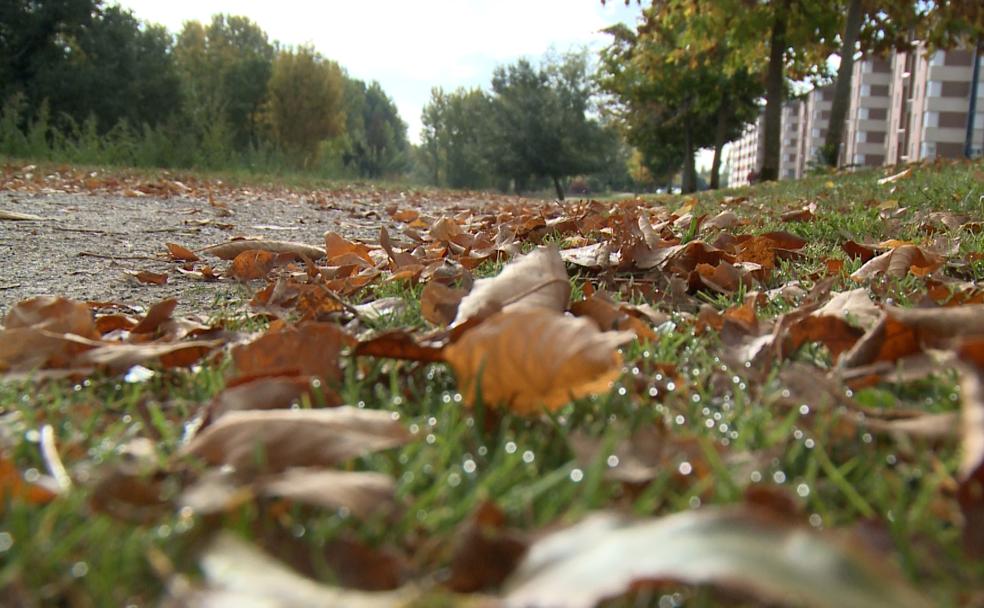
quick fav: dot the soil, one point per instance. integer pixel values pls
(96, 232)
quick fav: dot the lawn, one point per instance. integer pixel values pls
(734, 438)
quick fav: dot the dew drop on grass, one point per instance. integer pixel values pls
(723, 428)
(529, 457)
(163, 531)
(779, 477)
(709, 423)
(717, 416)
(797, 434)
(653, 391)
(33, 436)
(298, 530)
(695, 398)
(867, 438)
(804, 409)
(316, 383)
(694, 502)
(397, 400)
(680, 419)
(445, 398)
(80, 569)
(432, 421)
(685, 468)
(612, 461)
(786, 393)
(32, 475)
(469, 466)
(816, 521)
(671, 386)
(457, 398)
(577, 475)
(510, 447)
(809, 443)
(482, 450)
(414, 428)
(407, 477)
(755, 477)
(891, 460)
(7, 541)
(431, 439)
(454, 480)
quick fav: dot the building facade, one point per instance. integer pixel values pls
(905, 108)
(866, 130)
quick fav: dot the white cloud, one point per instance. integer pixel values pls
(411, 46)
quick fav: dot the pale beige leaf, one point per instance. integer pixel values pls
(229, 251)
(121, 357)
(774, 561)
(17, 216)
(362, 493)
(274, 440)
(238, 574)
(853, 306)
(721, 221)
(538, 279)
(535, 358)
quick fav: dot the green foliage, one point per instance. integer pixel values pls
(455, 136)
(376, 138)
(541, 126)
(304, 103)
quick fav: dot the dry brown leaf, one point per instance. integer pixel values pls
(150, 278)
(45, 331)
(158, 314)
(121, 357)
(642, 456)
(534, 358)
(485, 551)
(605, 557)
(439, 303)
(229, 251)
(398, 344)
(256, 264)
(608, 316)
(722, 221)
(904, 332)
(537, 279)
(54, 314)
(337, 245)
(276, 440)
(596, 256)
(833, 332)
(311, 348)
(269, 393)
(180, 253)
(13, 487)
(899, 262)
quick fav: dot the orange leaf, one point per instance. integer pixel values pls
(180, 253)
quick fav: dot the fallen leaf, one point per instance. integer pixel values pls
(256, 264)
(537, 279)
(269, 393)
(19, 217)
(439, 303)
(229, 251)
(276, 440)
(854, 307)
(362, 493)
(608, 316)
(121, 357)
(311, 348)
(180, 253)
(605, 557)
(970, 475)
(13, 487)
(150, 278)
(239, 574)
(899, 262)
(891, 179)
(398, 344)
(485, 551)
(534, 358)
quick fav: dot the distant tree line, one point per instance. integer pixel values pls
(80, 80)
(535, 127)
(694, 71)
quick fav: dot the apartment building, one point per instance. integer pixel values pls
(929, 101)
(745, 155)
(904, 108)
(866, 129)
(813, 127)
(791, 116)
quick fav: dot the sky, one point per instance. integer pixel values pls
(410, 46)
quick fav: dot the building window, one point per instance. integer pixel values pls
(879, 90)
(934, 88)
(931, 119)
(866, 90)
(928, 150)
(938, 58)
(862, 113)
(859, 137)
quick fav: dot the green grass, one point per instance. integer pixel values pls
(748, 429)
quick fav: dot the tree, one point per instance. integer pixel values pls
(225, 68)
(455, 136)
(671, 101)
(304, 102)
(799, 35)
(33, 34)
(115, 69)
(376, 136)
(541, 122)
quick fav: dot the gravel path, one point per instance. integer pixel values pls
(88, 243)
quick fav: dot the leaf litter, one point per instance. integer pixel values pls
(589, 313)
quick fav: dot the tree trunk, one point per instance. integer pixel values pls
(688, 182)
(972, 104)
(720, 134)
(842, 89)
(560, 189)
(774, 89)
